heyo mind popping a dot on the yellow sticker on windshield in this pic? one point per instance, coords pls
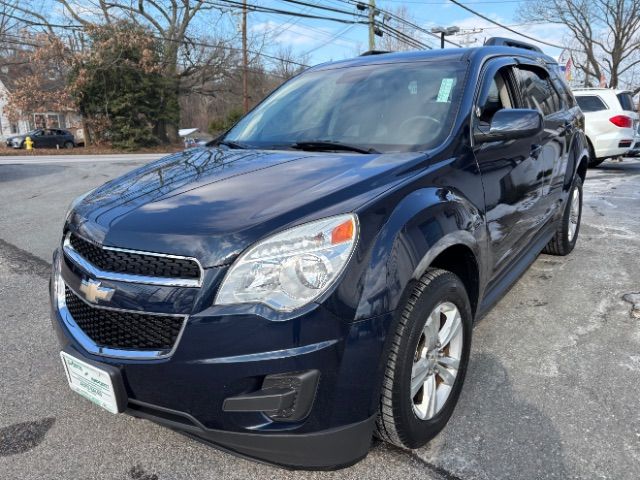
(445, 90)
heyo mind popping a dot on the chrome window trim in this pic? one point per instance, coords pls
(89, 345)
(88, 267)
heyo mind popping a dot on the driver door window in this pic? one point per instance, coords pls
(495, 97)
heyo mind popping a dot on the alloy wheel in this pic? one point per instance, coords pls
(574, 214)
(436, 360)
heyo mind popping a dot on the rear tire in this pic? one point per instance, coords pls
(429, 356)
(68, 144)
(564, 240)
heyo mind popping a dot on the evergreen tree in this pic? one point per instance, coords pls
(120, 88)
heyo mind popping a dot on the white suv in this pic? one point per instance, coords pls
(611, 122)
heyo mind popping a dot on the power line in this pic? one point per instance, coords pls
(257, 8)
(16, 40)
(484, 17)
(321, 7)
(334, 37)
(324, 33)
(158, 37)
(404, 21)
(418, 2)
(403, 37)
(294, 21)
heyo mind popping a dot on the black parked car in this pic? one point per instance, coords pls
(311, 278)
(44, 138)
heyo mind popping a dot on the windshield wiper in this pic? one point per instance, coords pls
(231, 144)
(322, 145)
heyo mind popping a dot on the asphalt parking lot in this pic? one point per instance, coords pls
(552, 392)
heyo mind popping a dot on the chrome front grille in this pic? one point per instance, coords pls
(115, 332)
(118, 329)
(123, 265)
(123, 261)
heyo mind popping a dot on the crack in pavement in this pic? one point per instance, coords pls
(23, 262)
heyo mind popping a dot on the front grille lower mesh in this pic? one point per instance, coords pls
(124, 330)
(135, 263)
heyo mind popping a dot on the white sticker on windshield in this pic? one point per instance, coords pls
(413, 87)
(445, 90)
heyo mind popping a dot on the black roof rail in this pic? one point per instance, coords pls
(375, 52)
(509, 42)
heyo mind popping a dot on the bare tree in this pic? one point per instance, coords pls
(606, 32)
(198, 53)
(287, 64)
(170, 23)
(398, 35)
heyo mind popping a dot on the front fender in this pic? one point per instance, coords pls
(578, 149)
(422, 225)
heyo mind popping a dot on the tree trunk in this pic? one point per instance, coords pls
(85, 128)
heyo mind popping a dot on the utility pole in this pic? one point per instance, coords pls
(245, 69)
(372, 24)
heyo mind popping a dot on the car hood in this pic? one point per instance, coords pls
(212, 203)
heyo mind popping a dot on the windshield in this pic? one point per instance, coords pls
(385, 108)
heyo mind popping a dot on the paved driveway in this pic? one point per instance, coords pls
(552, 392)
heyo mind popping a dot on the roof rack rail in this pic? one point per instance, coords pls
(375, 52)
(509, 42)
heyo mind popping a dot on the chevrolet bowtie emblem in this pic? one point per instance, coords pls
(94, 292)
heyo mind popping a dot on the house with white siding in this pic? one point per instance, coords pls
(28, 121)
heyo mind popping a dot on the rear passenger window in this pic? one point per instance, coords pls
(565, 92)
(537, 91)
(590, 103)
(626, 101)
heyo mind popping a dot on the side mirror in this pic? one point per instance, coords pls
(509, 124)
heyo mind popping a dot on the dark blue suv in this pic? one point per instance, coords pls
(311, 278)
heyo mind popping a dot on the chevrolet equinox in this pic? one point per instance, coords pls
(310, 278)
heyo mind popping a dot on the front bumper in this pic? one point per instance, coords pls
(221, 356)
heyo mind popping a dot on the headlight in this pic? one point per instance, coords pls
(293, 268)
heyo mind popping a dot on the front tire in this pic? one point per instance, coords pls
(68, 145)
(427, 362)
(566, 236)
